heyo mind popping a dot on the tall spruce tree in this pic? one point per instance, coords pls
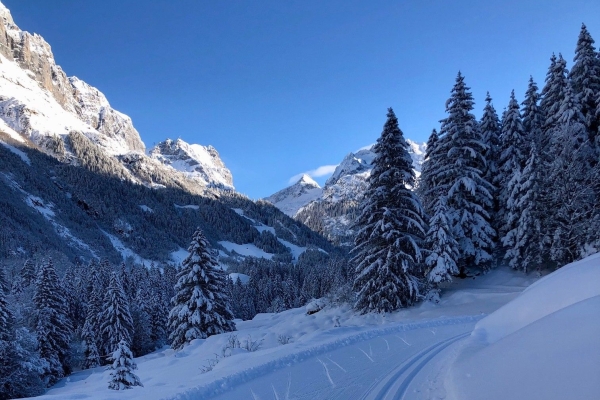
(490, 132)
(388, 245)
(200, 305)
(512, 160)
(523, 242)
(52, 324)
(533, 120)
(459, 176)
(553, 95)
(443, 249)
(571, 197)
(426, 184)
(585, 78)
(115, 319)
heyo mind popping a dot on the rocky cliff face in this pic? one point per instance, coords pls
(44, 93)
(199, 163)
(42, 104)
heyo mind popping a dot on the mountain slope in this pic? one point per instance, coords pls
(292, 198)
(76, 183)
(333, 212)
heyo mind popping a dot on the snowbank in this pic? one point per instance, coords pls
(544, 344)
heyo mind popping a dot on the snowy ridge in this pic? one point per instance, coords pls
(199, 163)
(38, 101)
(291, 199)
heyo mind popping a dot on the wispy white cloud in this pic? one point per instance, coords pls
(318, 172)
(365, 147)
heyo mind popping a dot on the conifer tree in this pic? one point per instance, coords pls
(200, 305)
(122, 366)
(533, 119)
(6, 316)
(115, 319)
(52, 325)
(490, 132)
(28, 273)
(459, 176)
(512, 160)
(443, 256)
(426, 185)
(524, 242)
(553, 95)
(585, 78)
(90, 351)
(571, 198)
(388, 245)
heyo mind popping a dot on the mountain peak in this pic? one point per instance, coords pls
(306, 180)
(197, 162)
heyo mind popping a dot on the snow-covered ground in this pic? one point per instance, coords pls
(542, 343)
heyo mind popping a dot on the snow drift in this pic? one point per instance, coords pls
(544, 344)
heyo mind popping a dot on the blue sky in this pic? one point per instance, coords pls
(283, 87)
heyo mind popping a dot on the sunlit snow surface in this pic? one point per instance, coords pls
(335, 353)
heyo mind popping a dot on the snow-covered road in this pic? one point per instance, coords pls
(397, 365)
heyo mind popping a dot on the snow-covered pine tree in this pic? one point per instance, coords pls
(512, 161)
(52, 325)
(388, 245)
(524, 242)
(426, 185)
(142, 328)
(553, 95)
(533, 119)
(90, 350)
(443, 256)
(28, 273)
(585, 78)
(200, 305)
(571, 198)
(6, 316)
(122, 366)
(490, 129)
(115, 319)
(459, 176)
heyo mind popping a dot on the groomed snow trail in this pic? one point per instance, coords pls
(393, 365)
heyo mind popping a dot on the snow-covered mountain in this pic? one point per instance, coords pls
(292, 198)
(332, 210)
(197, 162)
(76, 180)
(42, 104)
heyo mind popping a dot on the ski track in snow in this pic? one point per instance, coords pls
(392, 387)
(344, 382)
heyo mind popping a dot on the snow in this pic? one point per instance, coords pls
(10, 132)
(544, 344)
(246, 250)
(189, 206)
(293, 198)
(333, 353)
(45, 116)
(179, 255)
(243, 277)
(295, 250)
(195, 161)
(125, 251)
(145, 208)
(568, 285)
(18, 152)
(40, 206)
